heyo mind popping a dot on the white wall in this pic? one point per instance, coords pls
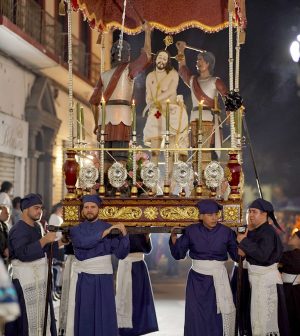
(15, 87)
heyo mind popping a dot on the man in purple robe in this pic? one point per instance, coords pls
(92, 308)
(135, 305)
(28, 251)
(209, 308)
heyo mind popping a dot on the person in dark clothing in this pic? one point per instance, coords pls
(244, 322)
(209, 308)
(263, 250)
(28, 251)
(290, 268)
(16, 213)
(4, 215)
(136, 314)
(92, 309)
(6, 191)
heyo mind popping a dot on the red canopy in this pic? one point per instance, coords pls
(170, 16)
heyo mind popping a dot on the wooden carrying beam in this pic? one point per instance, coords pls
(157, 214)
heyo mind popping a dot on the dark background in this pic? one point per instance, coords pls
(267, 85)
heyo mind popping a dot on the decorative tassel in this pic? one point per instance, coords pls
(61, 8)
(231, 6)
(242, 39)
(99, 39)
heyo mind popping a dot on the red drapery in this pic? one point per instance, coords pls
(170, 16)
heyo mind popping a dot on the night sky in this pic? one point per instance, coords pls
(267, 85)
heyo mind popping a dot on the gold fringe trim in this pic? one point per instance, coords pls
(170, 30)
(159, 26)
(90, 16)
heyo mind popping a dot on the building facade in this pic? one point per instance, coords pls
(34, 92)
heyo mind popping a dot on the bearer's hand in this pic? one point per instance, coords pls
(242, 236)
(180, 45)
(120, 227)
(241, 253)
(65, 239)
(6, 253)
(173, 235)
(48, 238)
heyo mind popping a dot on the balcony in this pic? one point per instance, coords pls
(40, 31)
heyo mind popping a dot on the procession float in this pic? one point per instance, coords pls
(148, 197)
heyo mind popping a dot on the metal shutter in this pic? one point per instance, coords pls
(7, 168)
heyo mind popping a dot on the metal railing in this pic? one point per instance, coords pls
(43, 28)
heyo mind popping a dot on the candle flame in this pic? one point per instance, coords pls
(133, 102)
(202, 102)
(102, 99)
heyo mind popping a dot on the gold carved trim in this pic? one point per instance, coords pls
(231, 213)
(127, 213)
(151, 213)
(176, 213)
(227, 174)
(71, 213)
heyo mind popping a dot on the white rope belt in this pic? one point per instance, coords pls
(124, 289)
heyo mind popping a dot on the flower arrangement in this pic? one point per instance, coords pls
(141, 159)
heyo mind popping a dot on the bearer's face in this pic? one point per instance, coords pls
(256, 217)
(90, 211)
(210, 220)
(161, 60)
(35, 212)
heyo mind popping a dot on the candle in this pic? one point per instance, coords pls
(216, 103)
(103, 113)
(133, 112)
(200, 108)
(168, 115)
(78, 121)
(82, 123)
(239, 120)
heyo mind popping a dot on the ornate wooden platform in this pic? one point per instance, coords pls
(158, 212)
